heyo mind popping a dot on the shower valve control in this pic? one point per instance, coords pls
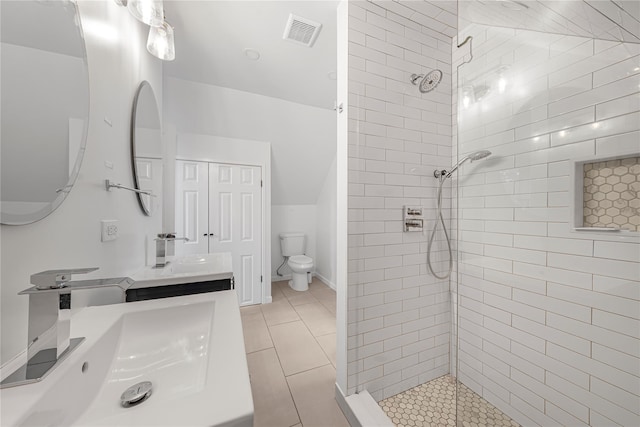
(413, 218)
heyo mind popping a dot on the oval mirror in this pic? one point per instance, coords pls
(44, 83)
(146, 147)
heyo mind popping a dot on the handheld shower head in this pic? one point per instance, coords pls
(479, 155)
(472, 157)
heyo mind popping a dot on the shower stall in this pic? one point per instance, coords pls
(538, 322)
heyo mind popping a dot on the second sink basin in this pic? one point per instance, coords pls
(187, 269)
(196, 263)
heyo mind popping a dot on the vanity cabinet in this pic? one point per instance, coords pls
(183, 276)
(167, 291)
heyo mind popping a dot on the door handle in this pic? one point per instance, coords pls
(209, 234)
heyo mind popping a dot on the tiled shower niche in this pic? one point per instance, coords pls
(611, 195)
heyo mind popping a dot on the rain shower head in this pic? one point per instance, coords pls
(429, 81)
(472, 157)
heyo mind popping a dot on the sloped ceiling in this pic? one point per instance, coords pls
(616, 20)
(211, 37)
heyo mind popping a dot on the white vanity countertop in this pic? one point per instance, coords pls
(187, 269)
(190, 347)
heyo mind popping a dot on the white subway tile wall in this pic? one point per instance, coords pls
(549, 318)
(398, 314)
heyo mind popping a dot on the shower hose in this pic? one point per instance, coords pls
(439, 219)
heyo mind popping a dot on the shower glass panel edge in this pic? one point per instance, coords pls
(546, 94)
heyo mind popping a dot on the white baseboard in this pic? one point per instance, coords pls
(361, 410)
(325, 281)
(281, 278)
(314, 274)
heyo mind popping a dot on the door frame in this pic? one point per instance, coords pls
(215, 149)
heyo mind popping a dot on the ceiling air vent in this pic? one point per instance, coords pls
(301, 30)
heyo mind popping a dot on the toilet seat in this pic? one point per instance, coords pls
(300, 263)
(301, 259)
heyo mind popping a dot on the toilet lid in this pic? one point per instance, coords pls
(300, 259)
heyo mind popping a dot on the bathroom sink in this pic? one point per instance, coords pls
(187, 269)
(190, 348)
(196, 263)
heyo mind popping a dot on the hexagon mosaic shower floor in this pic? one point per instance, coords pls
(434, 404)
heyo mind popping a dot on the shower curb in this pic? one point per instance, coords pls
(361, 410)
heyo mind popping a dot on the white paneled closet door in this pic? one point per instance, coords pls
(192, 207)
(235, 221)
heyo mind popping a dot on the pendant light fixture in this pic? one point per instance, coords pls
(160, 42)
(151, 12)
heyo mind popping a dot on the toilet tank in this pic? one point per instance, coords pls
(292, 243)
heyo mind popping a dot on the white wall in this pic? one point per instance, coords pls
(302, 137)
(398, 314)
(549, 318)
(326, 234)
(70, 237)
(302, 142)
(318, 222)
(287, 219)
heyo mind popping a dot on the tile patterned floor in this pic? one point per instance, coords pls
(291, 353)
(434, 404)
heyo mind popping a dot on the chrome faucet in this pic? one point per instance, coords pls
(49, 327)
(161, 247)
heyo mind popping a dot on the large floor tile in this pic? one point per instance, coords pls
(328, 344)
(318, 285)
(329, 304)
(256, 333)
(288, 292)
(272, 400)
(317, 318)
(276, 293)
(300, 298)
(314, 394)
(297, 349)
(250, 309)
(279, 312)
(324, 292)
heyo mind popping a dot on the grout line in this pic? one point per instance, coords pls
(284, 376)
(262, 349)
(308, 370)
(283, 323)
(300, 319)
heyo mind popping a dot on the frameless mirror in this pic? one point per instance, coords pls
(45, 106)
(146, 147)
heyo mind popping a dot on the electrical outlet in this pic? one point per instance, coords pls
(109, 229)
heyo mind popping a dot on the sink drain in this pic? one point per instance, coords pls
(136, 394)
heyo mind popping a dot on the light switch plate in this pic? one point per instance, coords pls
(109, 229)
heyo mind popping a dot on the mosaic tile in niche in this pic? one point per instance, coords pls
(612, 194)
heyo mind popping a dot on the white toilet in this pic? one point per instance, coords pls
(292, 245)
